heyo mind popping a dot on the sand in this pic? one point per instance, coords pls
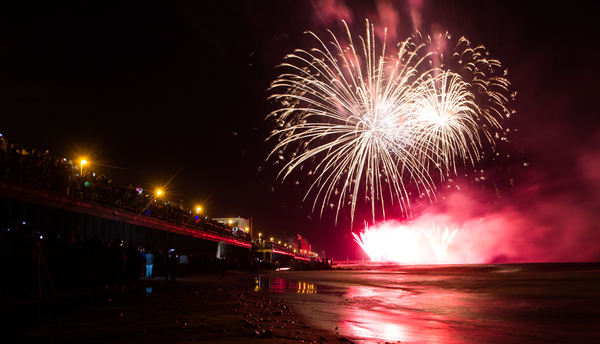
(202, 308)
(504, 303)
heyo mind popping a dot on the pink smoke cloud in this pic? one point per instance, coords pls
(540, 221)
(388, 18)
(329, 11)
(415, 8)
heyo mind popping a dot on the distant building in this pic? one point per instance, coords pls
(288, 241)
(304, 245)
(295, 242)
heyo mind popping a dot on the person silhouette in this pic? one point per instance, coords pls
(172, 265)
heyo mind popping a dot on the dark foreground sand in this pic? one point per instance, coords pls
(203, 308)
(438, 304)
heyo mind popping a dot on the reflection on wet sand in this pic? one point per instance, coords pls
(516, 303)
(396, 314)
(148, 291)
(278, 285)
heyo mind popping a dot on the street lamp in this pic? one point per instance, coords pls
(259, 235)
(198, 210)
(83, 162)
(158, 193)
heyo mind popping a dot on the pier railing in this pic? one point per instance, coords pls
(58, 177)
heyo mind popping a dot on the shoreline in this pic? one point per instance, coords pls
(203, 308)
(545, 303)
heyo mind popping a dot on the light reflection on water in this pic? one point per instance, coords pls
(396, 314)
(382, 313)
(278, 285)
(448, 304)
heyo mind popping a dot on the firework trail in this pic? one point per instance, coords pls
(439, 241)
(367, 124)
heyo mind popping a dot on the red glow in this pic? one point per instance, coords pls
(530, 225)
(390, 242)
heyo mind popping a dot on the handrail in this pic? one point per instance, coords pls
(60, 178)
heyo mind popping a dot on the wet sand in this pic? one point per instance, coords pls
(201, 308)
(504, 303)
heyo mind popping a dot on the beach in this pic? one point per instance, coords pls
(445, 304)
(499, 303)
(205, 308)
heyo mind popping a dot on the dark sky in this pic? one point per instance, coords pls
(153, 88)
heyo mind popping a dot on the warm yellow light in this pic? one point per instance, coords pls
(279, 242)
(158, 192)
(198, 210)
(247, 229)
(271, 239)
(259, 234)
(83, 162)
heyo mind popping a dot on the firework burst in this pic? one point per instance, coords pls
(389, 243)
(439, 240)
(368, 124)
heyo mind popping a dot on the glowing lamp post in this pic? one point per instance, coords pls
(198, 209)
(83, 162)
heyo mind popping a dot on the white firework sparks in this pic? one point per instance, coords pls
(369, 123)
(440, 240)
(389, 243)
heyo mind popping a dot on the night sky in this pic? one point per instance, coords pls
(154, 91)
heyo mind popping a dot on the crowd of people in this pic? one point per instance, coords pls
(28, 260)
(19, 162)
(313, 264)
